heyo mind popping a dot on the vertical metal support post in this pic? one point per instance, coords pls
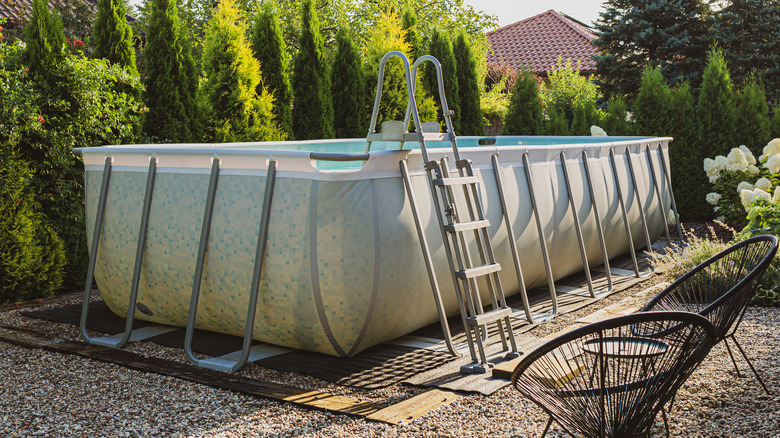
(101, 208)
(623, 211)
(638, 198)
(657, 192)
(139, 256)
(668, 180)
(577, 227)
(540, 229)
(445, 327)
(599, 228)
(198, 278)
(512, 243)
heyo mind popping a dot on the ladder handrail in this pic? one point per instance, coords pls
(108, 341)
(221, 363)
(445, 110)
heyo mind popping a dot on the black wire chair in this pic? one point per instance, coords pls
(611, 378)
(721, 288)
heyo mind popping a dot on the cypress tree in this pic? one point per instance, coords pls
(615, 120)
(686, 156)
(44, 38)
(169, 87)
(471, 121)
(630, 33)
(113, 36)
(412, 38)
(749, 33)
(752, 116)
(312, 114)
(348, 89)
(525, 114)
(269, 48)
(650, 115)
(235, 111)
(715, 112)
(585, 115)
(441, 49)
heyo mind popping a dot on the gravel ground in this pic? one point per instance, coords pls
(50, 394)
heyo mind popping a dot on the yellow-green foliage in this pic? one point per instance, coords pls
(232, 108)
(387, 35)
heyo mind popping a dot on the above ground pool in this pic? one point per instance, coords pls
(343, 267)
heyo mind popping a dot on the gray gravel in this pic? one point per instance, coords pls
(55, 395)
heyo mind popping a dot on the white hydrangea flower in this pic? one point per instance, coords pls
(773, 163)
(597, 132)
(720, 162)
(709, 167)
(776, 197)
(772, 148)
(750, 196)
(713, 198)
(744, 185)
(752, 170)
(736, 161)
(714, 178)
(764, 184)
(748, 154)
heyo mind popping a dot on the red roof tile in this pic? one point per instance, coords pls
(537, 42)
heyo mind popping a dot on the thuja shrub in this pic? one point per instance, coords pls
(32, 256)
(348, 95)
(525, 115)
(615, 121)
(440, 48)
(471, 122)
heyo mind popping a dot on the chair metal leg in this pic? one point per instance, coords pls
(666, 422)
(736, 368)
(750, 364)
(547, 426)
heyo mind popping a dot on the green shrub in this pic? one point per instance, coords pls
(566, 89)
(716, 113)
(556, 124)
(677, 260)
(525, 114)
(585, 115)
(411, 36)
(233, 109)
(349, 99)
(615, 121)
(685, 156)
(113, 36)
(44, 116)
(471, 122)
(269, 48)
(650, 107)
(312, 113)
(32, 256)
(752, 128)
(440, 48)
(44, 38)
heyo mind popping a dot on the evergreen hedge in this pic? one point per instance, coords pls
(312, 113)
(411, 36)
(170, 88)
(471, 121)
(615, 120)
(441, 49)
(686, 157)
(269, 48)
(349, 99)
(113, 36)
(32, 256)
(44, 38)
(650, 107)
(525, 115)
(232, 109)
(715, 112)
(752, 128)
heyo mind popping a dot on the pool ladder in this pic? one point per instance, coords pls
(461, 220)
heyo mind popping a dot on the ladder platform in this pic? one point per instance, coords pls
(467, 226)
(488, 317)
(456, 181)
(478, 271)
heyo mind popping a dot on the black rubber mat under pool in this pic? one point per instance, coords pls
(376, 367)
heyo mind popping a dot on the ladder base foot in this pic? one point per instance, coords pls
(513, 355)
(477, 368)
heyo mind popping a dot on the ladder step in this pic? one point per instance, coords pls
(467, 226)
(456, 181)
(478, 271)
(488, 317)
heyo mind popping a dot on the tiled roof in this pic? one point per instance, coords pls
(537, 42)
(17, 10)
